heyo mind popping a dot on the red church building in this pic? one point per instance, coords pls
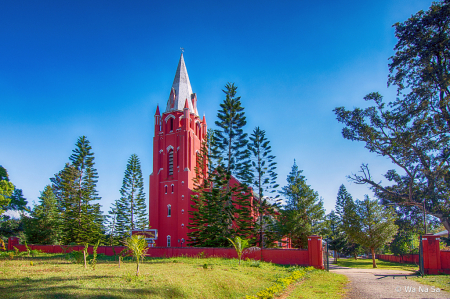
(179, 132)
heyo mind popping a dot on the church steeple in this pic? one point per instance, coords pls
(181, 90)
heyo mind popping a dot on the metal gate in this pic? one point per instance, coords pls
(421, 267)
(326, 261)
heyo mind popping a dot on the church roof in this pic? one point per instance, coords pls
(181, 90)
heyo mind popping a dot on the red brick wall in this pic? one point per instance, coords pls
(406, 259)
(277, 256)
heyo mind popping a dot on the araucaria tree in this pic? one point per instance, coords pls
(303, 213)
(413, 131)
(131, 207)
(230, 137)
(233, 158)
(208, 221)
(75, 190)
(340, 241)
(370, 224)
(44, 224)
(264, 178)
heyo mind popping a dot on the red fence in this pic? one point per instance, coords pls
(301, 257)
(405, 259)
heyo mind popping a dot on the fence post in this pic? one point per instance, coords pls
(431, 254)
(315, 251)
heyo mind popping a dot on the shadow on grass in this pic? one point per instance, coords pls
(54, 287)
(367, 264)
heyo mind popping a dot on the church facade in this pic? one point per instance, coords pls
(178, 135)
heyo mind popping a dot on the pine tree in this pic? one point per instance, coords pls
(131, 207)
(340, 241)
(370, 224)
(303, 213)
(75, 189)
(208, 224)
(43, 226)
(230, 138)
(112, 236)
(234, 158)
(263, 179)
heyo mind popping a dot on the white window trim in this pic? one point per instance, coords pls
(168, 117)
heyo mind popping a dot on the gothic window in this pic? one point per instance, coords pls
(197, 159)
(168, 241)
(197, 129)
(165, 189)
(171, 124)
(173, 188)
(170, 162)
(169, 211)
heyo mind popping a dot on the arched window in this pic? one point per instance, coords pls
(170, 162)
(165, 189)
(168, 241)
(171, 124)
(197, 159)
(173, 188)
(197, 129)
(169, 211)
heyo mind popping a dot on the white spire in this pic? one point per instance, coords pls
(181, 90)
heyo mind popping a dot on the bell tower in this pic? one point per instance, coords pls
(178, 135)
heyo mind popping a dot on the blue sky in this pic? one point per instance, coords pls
(99, 68)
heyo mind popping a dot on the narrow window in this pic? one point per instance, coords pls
(173, 188)
(165, 189)
(170, 162)
(168, 241)
(169, 211)
(171, 124)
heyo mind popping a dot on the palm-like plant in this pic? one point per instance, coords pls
(138, 247)
(239, 245)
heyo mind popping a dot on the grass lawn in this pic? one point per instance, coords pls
(321, 284)
(438, 281)
(53, 276)
(367, 264)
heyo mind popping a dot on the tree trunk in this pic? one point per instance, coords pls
(373, 257)
(335, 256)
(356, 256)
(137, 270)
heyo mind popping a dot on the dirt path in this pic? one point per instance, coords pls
(380, 283)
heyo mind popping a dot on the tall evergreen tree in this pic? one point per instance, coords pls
(303, 213)
(264, 179)
(112, 236)
(131, 207)
(370, 224)
(75, 189)
(234, 158)
(208, 221)
(339, 239)
(44, 224)
(230, 137)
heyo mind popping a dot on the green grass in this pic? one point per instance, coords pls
(53, 276)
(367, 264)
(438, 281)
(321, 284)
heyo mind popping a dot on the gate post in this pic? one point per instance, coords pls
(12, 241)
(431, 254)
(315, 251)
